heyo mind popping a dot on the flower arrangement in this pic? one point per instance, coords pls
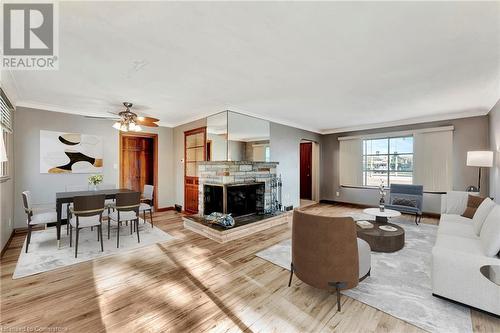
(95, 180)
(381, 190)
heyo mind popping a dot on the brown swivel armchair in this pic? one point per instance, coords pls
(326, 253)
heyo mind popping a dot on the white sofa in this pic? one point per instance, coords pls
(457, 257)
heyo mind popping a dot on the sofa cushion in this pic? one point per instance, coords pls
(473, 203)
(490, 233)
(456, 225)
(460, 244)
(481, 213)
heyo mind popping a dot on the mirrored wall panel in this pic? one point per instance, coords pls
(217, 137)
(233, 136)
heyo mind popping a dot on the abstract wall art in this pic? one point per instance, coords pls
(62, 152)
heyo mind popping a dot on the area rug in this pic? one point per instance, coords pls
(44, 255)
(400, 282)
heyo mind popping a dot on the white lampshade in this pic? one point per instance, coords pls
(3, 152)
(117, 125)
(483, 158)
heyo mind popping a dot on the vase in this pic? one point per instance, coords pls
(95, 187)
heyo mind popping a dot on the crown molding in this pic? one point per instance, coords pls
(61, 109)
(402, 122)
(409, 121)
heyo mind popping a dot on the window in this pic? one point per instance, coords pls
(388, 160)
(5, 133)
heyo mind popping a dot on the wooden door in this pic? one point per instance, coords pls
(194, 152)
(137, 162)
(306, 170)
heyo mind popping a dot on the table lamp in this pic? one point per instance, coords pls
(480, 159)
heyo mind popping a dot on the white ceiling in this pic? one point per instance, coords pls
(324, 66)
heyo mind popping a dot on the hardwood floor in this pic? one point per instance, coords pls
(190, 284)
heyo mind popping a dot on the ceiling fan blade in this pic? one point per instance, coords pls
(147, 119)
(103, 118)
(147, 124)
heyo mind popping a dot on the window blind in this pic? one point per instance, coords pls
(5, 112)
(433, 160)
(351, 162)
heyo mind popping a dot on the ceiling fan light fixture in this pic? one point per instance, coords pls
(117, 125)
(131, 127)
(137, 128)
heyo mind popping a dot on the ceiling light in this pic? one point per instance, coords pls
(117, 125)
(137, 128)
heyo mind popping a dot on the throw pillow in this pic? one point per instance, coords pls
(404, 202)
(481, 214)
(472, 205)
(455, 202)
(490, 233)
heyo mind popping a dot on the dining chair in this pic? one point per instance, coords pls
(69, 207)
(35, 218)
(147, 203)
(126, 209)
(109, 202)
(87, 212)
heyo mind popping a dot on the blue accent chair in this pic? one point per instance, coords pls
(407, 199)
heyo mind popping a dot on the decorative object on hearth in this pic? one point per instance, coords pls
(381, 190)
(95, 180)
(224, 220)
(275, 186)
(480, 159)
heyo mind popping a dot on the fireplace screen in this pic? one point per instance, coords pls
(235, 199)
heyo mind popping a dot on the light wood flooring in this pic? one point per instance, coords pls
(190, 284)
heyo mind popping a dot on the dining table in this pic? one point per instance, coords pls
(68, 197)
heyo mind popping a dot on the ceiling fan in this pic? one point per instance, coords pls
(130, 121)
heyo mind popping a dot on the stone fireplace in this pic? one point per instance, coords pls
(237, 187)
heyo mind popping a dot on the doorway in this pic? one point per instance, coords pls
(139, 161)
(306, 170)
(309, 172)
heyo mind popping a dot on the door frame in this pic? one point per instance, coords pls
(202, 129)
(153, 136)
(315, 168)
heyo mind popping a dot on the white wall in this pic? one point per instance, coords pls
(285, 149)
(27, 128)
(494, 118)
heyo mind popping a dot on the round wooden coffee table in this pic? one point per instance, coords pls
(381, 240)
